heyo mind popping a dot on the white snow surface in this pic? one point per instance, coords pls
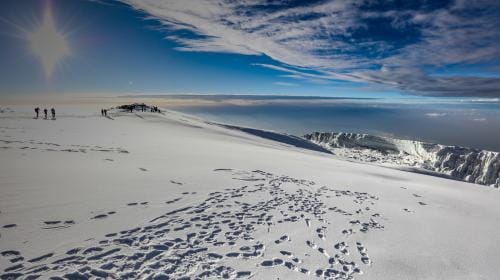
(470, 165)
(169, 196)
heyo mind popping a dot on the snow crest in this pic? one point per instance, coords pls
(467, 164)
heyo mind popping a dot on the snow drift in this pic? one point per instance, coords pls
(467, 164)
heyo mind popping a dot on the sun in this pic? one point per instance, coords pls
(47, 43)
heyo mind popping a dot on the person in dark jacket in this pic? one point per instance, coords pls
(37, 111)
(45, 113)
(53, 112)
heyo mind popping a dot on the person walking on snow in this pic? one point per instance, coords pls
(53, 112)
(37, 111)
(45, 113)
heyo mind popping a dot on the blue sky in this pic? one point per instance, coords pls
(355, 48)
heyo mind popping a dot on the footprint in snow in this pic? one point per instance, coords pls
(282, 239)
(100, 216)
(52, 222)
(10, 253)
(175, 182)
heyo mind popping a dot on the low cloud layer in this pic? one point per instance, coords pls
(439, 48)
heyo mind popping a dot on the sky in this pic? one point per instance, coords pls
(358, 48)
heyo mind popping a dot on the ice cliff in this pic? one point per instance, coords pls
(467, 164)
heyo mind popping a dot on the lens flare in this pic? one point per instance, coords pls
(47, 43)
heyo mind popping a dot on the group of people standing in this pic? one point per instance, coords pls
(45, 112)
(131, 107)
(104, 112)
(155, 109)
(140, 107)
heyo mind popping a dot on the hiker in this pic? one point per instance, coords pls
(53, 112)
(105, 112)
(37, 111)
(45, 113)
(102, 112)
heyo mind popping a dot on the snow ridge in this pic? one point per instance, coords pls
(466, 164)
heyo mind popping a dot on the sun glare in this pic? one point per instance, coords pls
(47, 43)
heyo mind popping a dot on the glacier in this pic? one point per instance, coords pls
(466, 164)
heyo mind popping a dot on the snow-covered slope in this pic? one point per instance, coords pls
(470, 165)
(168, 196)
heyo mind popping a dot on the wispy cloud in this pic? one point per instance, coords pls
(285, 84)
(361, 41)
(435, 115)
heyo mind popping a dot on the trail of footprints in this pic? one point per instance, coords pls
(98, 215)
(53, 147)
(421, 203)
(205, 240)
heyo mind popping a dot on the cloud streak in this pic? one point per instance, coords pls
(402, 46)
